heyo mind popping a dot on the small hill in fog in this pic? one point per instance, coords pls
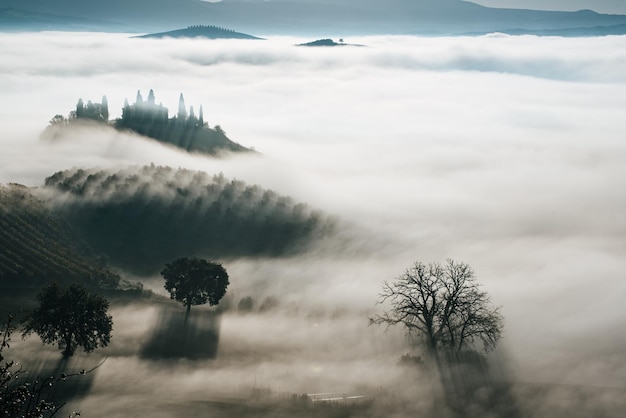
(326, 43)
(186, 130)
(201, 31)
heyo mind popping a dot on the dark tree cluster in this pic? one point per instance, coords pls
(93, 111)
(195, 281)
(90, 111)
(145, 217)
(187, 129)
(146, 113)
(71, 317)
(211, 27)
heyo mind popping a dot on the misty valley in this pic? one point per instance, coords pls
(423, 227)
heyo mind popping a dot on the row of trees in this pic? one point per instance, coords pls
(148, 111)
(142, 111)
(73, 317)
(186, 129)
(95, 111)
(219, 28)
(440, 305)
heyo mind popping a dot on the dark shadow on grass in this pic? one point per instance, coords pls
(177, 336)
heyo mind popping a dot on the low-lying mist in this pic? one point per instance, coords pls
(503, 152)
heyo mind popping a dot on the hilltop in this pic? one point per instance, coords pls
(201, 31)
(327, 43)
(186, 130)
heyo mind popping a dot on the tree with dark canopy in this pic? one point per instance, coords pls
(21, 395)
(443, 306)
(195, 281)
(71, 317)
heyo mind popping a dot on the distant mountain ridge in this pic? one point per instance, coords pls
(566, 32)
(14, 19)
(313, 17)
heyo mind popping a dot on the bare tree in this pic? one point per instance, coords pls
(444, 307)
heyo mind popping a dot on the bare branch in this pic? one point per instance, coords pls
(443, 304)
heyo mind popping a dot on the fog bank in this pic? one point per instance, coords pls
(503, 152)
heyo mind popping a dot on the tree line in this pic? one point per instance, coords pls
(187, 129)
(74, 317)
(146, 216)
(212, 27)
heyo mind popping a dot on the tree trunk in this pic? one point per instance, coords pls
(188, 311)
(69, 351)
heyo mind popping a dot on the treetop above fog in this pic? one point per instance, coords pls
(187, 129)
(195, 281)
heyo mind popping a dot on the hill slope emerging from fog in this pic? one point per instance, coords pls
(185, 131)
(145, 217)
(303, 17)
(200, 31)
(37, 245)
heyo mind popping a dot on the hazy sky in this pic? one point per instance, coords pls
(503, 152)
(600, 6)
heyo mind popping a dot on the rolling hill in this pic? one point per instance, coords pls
(200, 31)
(144, 217)
(186, 130)
(37, 245)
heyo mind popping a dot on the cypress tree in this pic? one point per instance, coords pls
(80, 109)
(105, 108)
(126, 111)
(182, 110)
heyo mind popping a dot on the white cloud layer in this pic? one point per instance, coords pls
(504, 152)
